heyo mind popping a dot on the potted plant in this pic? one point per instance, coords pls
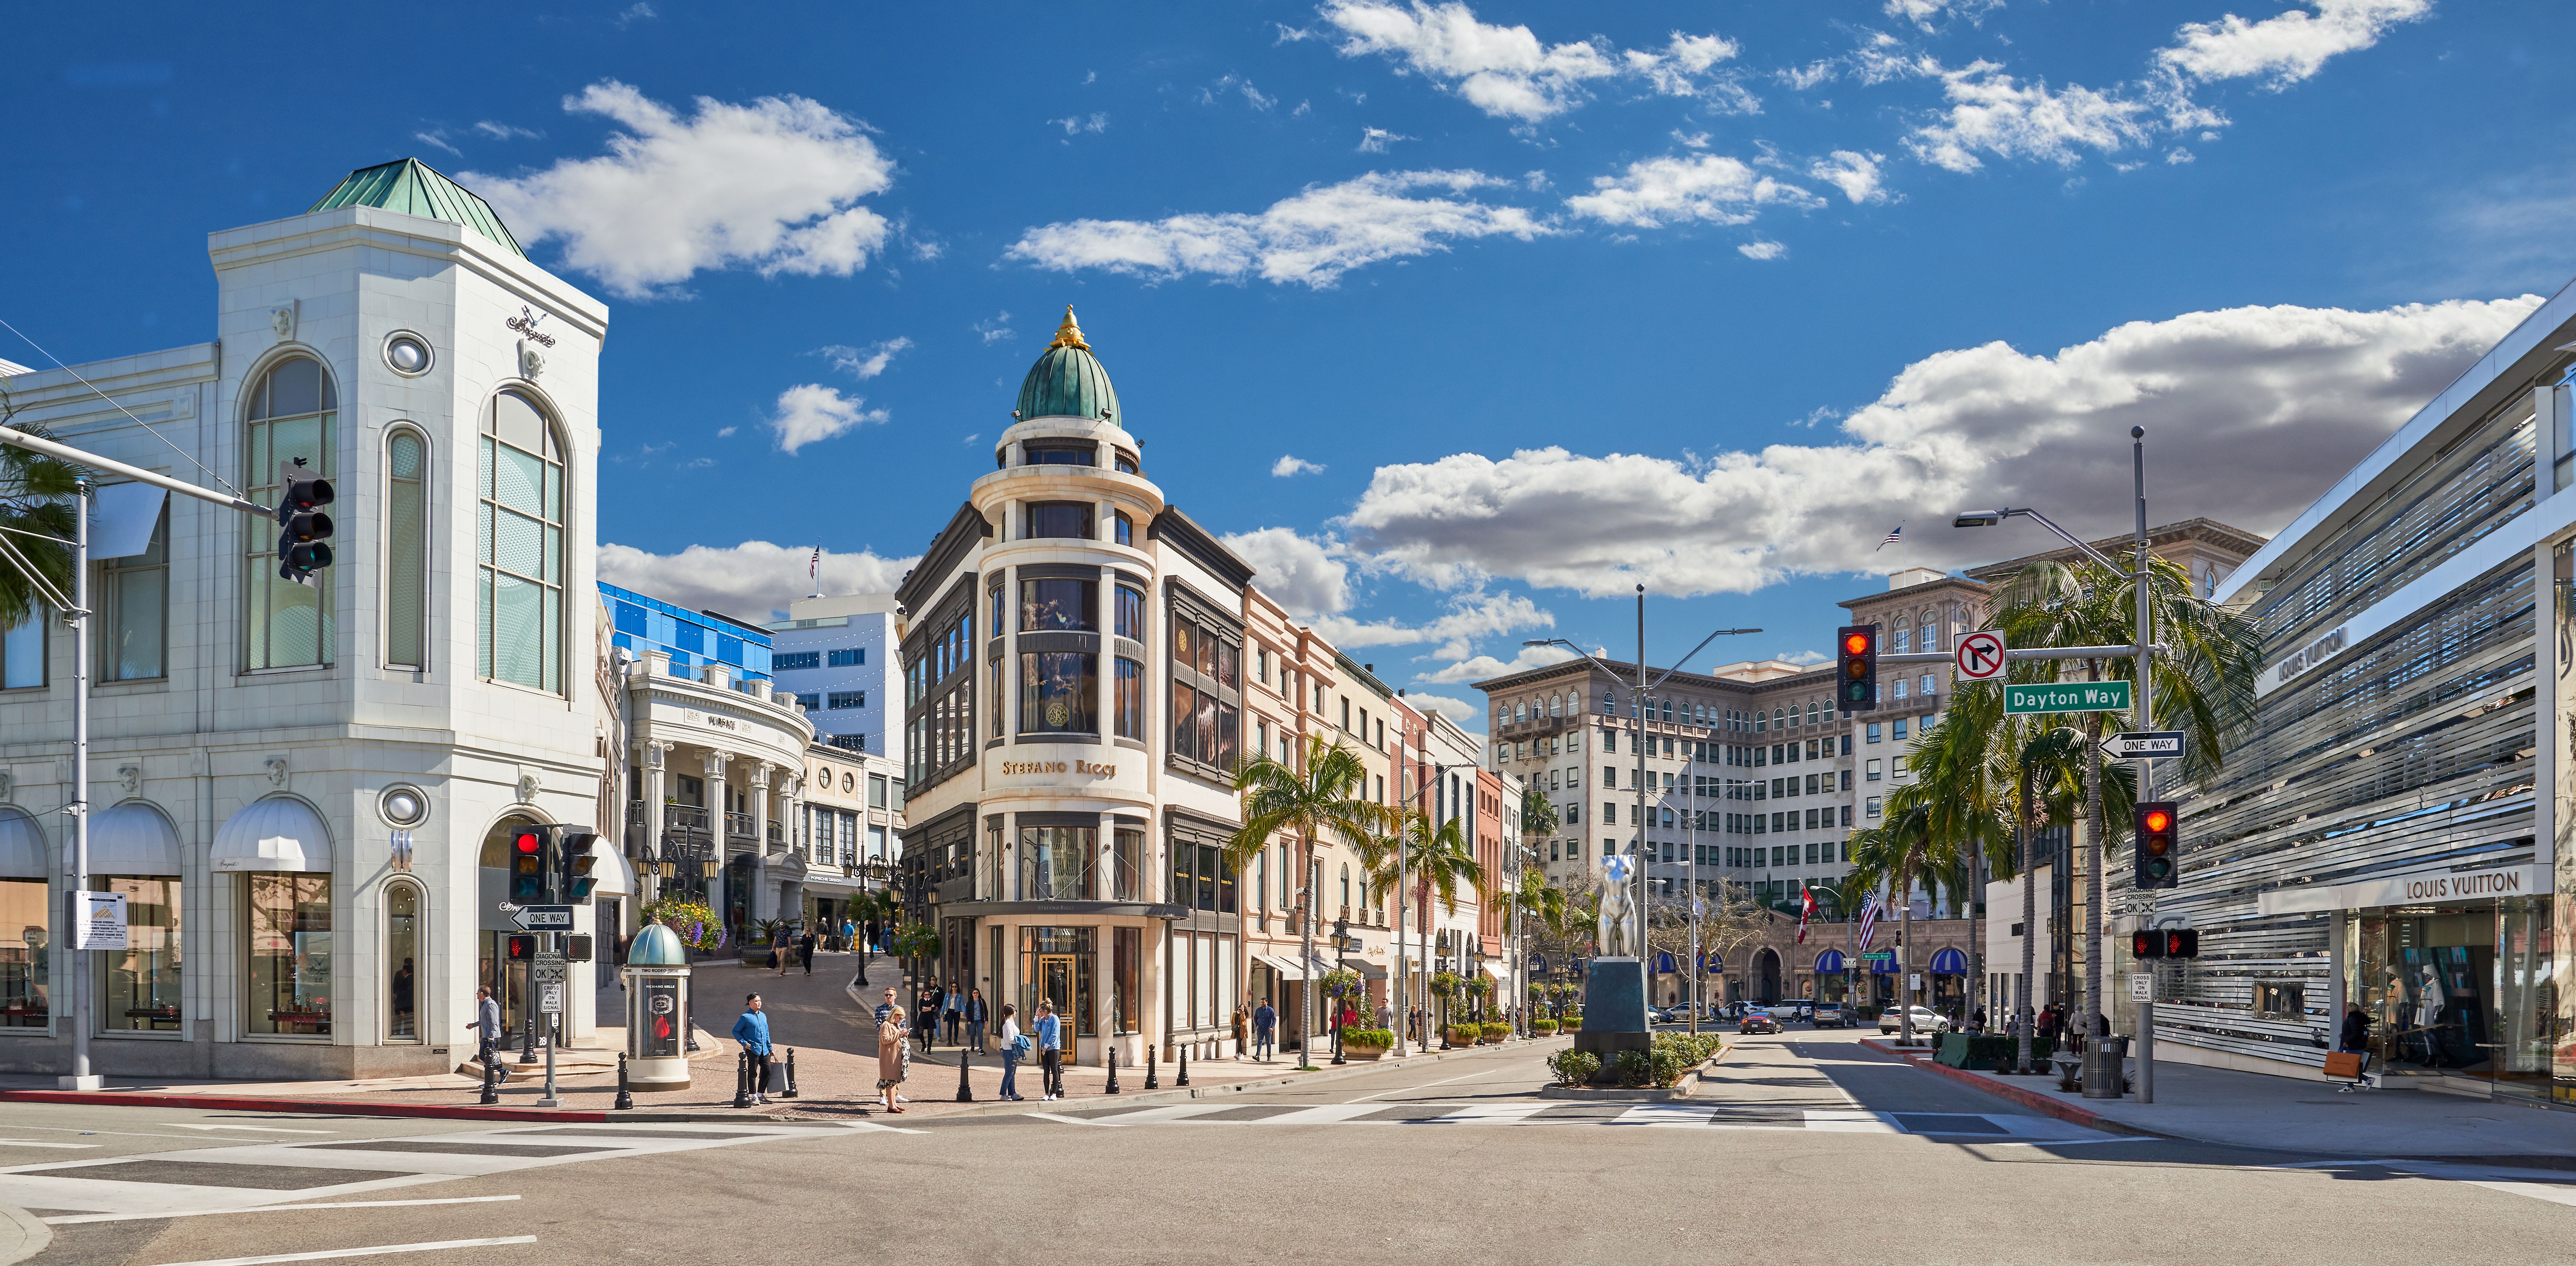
(1495, 1032)
(1359, 1043)
(695, 924)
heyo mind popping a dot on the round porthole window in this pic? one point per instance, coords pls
(404, 806)
(407, 353)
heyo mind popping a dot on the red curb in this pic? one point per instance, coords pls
(2050, 1105)
(345, 1107)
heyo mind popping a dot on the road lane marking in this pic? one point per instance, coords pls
(264, 1129)
(1492, 1114)
(269, 1208)
(34, 1143)
(1424, 1086)
(1066, 1120)
(318, 1255)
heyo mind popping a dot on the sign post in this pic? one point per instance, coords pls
(547, 973)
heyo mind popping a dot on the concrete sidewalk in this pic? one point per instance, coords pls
(2217, 1105)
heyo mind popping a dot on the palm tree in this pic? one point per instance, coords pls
(1967, 796)
(1532, 896)
(1431, 859)
(1903, 850)
(36, 526)
(1538, 817)
(1329, 796)
(2204, 685)
(2049, 776)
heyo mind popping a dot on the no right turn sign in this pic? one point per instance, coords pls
(1981, 655)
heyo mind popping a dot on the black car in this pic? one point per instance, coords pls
(1758, 1020)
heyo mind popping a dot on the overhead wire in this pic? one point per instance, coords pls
(129, 413)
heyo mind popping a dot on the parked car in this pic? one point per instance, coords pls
(1926, 1020)
(1758, 1020)
(1828, 1015)
(1794, 1009)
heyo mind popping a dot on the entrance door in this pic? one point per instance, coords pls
(1055, 984)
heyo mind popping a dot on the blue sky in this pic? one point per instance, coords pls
(1544, 300)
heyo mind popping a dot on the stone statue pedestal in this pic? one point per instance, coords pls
(1614, 1009)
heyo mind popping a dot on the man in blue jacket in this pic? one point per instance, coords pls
(1050, 1036)
(752, 1031)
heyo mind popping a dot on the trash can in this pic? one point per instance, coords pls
(2105, 1066)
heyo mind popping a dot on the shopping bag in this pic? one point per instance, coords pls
(776, 1082)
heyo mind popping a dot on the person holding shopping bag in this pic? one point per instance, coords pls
(893, 1053)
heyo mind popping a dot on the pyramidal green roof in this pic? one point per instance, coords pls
(1068, 381)
(413, 187)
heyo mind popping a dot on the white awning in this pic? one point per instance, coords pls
(22, 846)
(1286, 967)
(1494, 967)
(279, 833)
(616, 878)
(131, 839)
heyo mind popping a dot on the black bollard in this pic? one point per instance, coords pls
(965, 1093)
(1113, 1070)
(1153, 1074)
(625, 1097)
(742, 1080)
(1184, 1078)
(491, 1095)
(790, 1091)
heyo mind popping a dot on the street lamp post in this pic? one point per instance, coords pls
(1637, 707)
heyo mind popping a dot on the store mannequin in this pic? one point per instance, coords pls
(2428, 1003)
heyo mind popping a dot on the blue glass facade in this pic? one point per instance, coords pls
(693, 638)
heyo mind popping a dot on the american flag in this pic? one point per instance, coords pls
(814, 569)
(1806, 910)
(1894, 535)
(1868, 922)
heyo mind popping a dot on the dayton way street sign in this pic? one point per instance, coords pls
(544, 918)
(1981, 655)
(2067, 696)
(2137, 743)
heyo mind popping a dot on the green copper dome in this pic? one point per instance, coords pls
(1069, 382)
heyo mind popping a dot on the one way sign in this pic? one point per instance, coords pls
(2143, 743)
(544, 918)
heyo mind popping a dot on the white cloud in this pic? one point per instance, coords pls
(1760, 249)
(1927, 14)
(506, 131)
(1709, 187)
(1471, 615)
(865, 362)
(1301, 574)
(770, 185)
(1311, 238)
(1467, 716)
(995, 330)
(1691, 140)
(634, 13)
(2288, 47)
(1483, 667)
(2178, 156)
(1853, 172)
(812, 412)
(1289, 465)
(726, 432)
(1506, 71)
(437, 137)
(1990, 112)
(1258, 99)
(1075, 125)
(1374, 140)
(2250, 412)
(1808, 656)
(751, 581)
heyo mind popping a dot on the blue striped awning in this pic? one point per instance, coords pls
(1711, 965)
(1664, 964)
(1829, 963)
(1949, 962)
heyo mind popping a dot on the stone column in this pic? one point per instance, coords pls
(717, 888)
(759, 802)
(649, 754)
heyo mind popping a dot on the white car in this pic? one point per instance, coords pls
(1926, 1020)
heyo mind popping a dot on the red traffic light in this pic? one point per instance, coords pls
(526, 842)
(2157, 820)
(1856, 644)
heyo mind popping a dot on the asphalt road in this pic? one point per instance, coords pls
(1806, 1148)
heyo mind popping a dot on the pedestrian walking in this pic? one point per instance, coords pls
(952, 1012)
(888, 1006)
(805, 948)
(782, 950)
(487, 1025)
(1050, 1051)
(1265, 1025)
(976, 1016)
(1014, 1049)
(849, 934)
(2356, 1030)
(927, 1025)
(893, 1057)
(752, 1031)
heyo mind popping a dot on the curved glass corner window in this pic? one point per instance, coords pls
(1130, 619)
(291, 414)
(139, 985)
(26, 970)
(1055, 862)
(1060, 454)
(1059, 692)
(1125, 528)
(406, 549)
(290, 955)
(1123, 460)
(1070, 519)
(1131, 699)
(519, 540)
(1059, 605)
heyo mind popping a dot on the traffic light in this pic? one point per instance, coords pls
(578, 947)
(303, 530)
(574, 859)
(1856, 654)
(2146, 945)
(2155, 835)
(522, 947)
(2182, 943)
(527, 865)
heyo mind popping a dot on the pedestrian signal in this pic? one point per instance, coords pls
(522, 947)
(2146, 945)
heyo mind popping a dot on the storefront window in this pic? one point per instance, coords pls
(1056, 967)
(290, 954)
(2459, 991)
(139, 988)
(1126, 864)
(402, 951)
(1126, 951)
(1055, 862)
(25, 908)
(1059, 693)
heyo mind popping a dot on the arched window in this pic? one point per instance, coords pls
(518, 592)
(1520, 712)
(1556, 705)
(1346, 885)
(406, 549)
(1606, 704)
(291, 414)
(1904, 636)
(403, 961)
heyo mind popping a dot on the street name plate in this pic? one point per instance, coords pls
(2142, 986)
(544, 918)
(2137, 743)
(2067, 696)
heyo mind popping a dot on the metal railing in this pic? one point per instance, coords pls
(683, 817)
(738, 826)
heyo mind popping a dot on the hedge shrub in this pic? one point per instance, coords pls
(1573, 1068)
(1496, 1028)
(1542, 1025)
(1368, 1037)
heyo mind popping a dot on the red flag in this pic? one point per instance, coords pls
(1806, 910)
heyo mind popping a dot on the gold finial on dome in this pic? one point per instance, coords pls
(1069, 334)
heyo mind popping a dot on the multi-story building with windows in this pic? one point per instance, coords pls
(849, 827)
(837, 656)
(304, 790)
(1073, 717)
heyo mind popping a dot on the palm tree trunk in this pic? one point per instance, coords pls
(1904, 955)
(2093, 854)
(2029, 919)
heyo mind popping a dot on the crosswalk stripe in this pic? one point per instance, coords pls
(1666, 1114)
(1493, 1114)
(319, 1254)
(80, 1218)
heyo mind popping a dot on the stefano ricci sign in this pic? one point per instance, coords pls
(2298, 662)
(1079, 768)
